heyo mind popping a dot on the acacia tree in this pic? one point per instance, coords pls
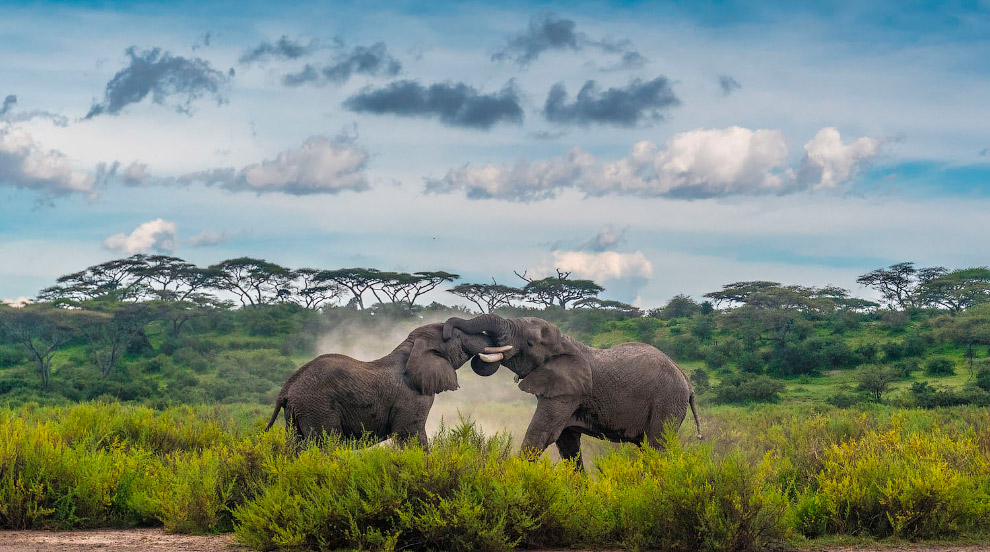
(254, 281)
(311, 291)
(487, 297)
(900, 284)
(558, 290)
(425, 282)
(41, 329)
(957, 290)
(120, 277)
(356, 280)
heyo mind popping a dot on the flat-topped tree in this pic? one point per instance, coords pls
(957, 290)
(487, 297)
(356, 280)
(254, 281)
(122, 278)
(425, 282)
(559, 290)
(311, 291)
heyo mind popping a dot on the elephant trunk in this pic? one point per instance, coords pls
(492, 323)
(483, 368)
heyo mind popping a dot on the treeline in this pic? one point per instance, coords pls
(248, 281)
(157, 326)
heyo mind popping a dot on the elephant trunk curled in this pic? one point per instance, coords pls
(499, 327)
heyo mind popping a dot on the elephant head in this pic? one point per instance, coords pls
(547, 362)
(433, 361)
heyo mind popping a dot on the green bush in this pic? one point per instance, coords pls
(940, 366)
(739, 388)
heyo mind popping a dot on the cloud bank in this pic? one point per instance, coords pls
(453, 104)
(636, 103)
(701, 163)
(321, 165)
(164, 77)
(26, 164)
(155, 235)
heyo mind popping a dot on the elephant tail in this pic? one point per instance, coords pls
(279, 405)
(694, 411)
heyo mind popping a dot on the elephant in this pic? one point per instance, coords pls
(623, 394)
(385, 397)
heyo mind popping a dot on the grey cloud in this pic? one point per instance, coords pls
(283, 48)
(163, 76)
(208, 238)
(8, 115)
(985, 152)
(203, 41)
(548, 32)
(373, 60)
(728, 84)
(638, 102)
(545, 32)
(629, 60)
(454, 104)
(607, 238)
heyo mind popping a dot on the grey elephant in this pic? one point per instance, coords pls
(624, 394)
(385, 397)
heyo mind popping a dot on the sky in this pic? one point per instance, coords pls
(659, 148)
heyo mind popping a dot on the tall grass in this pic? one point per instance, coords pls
(764, 475)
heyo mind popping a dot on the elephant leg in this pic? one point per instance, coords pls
(549, 421)
(569, 447)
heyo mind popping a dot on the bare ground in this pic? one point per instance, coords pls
(156, 540)
(128, 540)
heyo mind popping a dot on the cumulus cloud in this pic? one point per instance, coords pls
(728, 84)
(638, 102)
(18, 303)
(155, 235)
(621, 274)
(8, 115)
(828, 162)
(26, 164)
(208, 238)
(164, 77)
(373, 60)
(283, 48)
(548, 32)
(453, 104)
(700, 163)
(321, 165)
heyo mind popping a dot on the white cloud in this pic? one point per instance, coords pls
(18, 303)
(695, 164)
(321, 165)
(26, 164)
(157, 235)
(606, 265)
(830, 163)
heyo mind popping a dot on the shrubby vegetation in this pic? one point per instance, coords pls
(767, 476)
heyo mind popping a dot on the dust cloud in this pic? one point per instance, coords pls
(494, 404)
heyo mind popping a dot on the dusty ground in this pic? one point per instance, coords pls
(130, 540)
(156, 540)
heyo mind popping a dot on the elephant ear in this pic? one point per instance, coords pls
(564, 376)
(427, 372)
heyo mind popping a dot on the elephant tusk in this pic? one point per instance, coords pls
(490, 358)
(502, 349)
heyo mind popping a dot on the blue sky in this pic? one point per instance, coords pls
(659, 148)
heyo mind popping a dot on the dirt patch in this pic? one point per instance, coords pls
(129, 540)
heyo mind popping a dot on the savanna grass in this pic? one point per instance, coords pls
(764, 475)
